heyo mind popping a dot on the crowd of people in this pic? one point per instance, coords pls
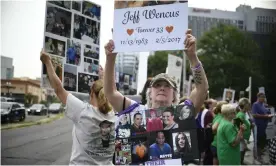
(223, 128)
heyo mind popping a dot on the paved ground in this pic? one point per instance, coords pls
(37, 145)
(31, 118)
(249, 156)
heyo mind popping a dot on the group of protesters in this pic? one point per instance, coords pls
(224, 130)
(225, 137)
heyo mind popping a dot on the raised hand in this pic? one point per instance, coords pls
(44, 57)
(109, 48)
(190, 46)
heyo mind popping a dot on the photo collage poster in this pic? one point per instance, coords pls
(156, 135)
(72, 39)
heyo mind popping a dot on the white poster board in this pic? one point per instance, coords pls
(71, 38)
(164, 162)
(141, 26)
(175, 68)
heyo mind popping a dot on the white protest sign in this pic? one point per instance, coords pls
(175, 68)
(150, 28)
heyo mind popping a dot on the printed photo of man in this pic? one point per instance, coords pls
(105, 127)
(160, 149)
(137, 127)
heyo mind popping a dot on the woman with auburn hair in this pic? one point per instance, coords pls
(93, 131)
(215, 125)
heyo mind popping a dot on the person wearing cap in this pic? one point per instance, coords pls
(93, 133)
(163, 91)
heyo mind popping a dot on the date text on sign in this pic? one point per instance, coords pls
(150, 28)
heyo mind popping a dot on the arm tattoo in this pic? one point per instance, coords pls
(197, 76)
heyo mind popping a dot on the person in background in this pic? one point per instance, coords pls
(215, 125)
(261, 117)
(93, 143)
(243, 107)
(206, 122)
(228, 137)
(144, 91)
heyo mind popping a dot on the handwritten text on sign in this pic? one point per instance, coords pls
(150, 28)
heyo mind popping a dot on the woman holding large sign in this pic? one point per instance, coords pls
(163, 91)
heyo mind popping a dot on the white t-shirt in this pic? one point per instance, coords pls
(88, 146)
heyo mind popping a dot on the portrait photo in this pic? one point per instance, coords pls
(73, 54)
(228, 95)
(123, 126)
(85, 82)
(154, 120)
(168, 119)
(54, 46)
(58, 21)
(86, 29)
(122, 153)
(138, 123)
(184, 112)
(160, 146)
(181, 144)
(70, 77)
(105, 129)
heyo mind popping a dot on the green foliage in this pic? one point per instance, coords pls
(157, 63)
(28, 99)
(229, 57)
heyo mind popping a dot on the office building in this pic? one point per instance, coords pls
(245, 18)
(258, 19)
(127, 72)
(202, 20)
(7, 68)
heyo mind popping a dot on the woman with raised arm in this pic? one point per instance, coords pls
(94, 128)
(163, 89)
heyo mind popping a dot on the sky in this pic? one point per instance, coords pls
(22, 26)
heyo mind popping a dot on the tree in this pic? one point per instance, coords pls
(28, 99)
(157, 63)
(229, 57)
(267, 43)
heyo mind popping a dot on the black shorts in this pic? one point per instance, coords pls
(214, 151)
